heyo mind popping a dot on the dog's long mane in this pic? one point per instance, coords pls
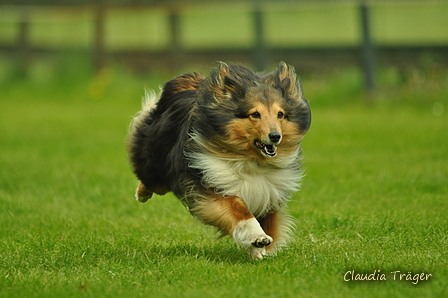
(264, 187)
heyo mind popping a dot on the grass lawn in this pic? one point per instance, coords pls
(374, 198)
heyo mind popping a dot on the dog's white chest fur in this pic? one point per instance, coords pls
(263, 188)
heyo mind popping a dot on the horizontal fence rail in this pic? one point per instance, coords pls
(146, 35)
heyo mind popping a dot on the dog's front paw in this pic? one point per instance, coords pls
(257, 253)
(262, 241)
(258, 248)
(249, 234)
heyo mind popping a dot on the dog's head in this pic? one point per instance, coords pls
(261, 115)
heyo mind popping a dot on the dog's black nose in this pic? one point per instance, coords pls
(275, 137)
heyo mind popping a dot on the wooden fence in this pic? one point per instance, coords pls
(261, 54)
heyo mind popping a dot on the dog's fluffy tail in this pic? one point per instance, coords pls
(149, 101)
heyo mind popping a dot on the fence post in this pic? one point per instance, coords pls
(23, 43)
(175, 43)
(99, 48)
(368, 51)
(260, 51)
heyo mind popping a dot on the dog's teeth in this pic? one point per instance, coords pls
(270, 148)
(267, 150)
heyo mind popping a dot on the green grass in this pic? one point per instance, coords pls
(374, 198)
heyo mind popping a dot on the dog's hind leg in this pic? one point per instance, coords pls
(142, 194)
(231, 216)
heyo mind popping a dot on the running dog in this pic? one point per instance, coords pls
(228, 146)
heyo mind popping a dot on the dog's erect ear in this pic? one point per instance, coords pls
(285, 79)
(220, 75)
(224, 82)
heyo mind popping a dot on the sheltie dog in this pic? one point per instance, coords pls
(228, 146)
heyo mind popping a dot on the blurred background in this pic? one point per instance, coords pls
(381, 43)
(72, 75)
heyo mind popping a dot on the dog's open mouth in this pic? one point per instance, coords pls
(266, 150)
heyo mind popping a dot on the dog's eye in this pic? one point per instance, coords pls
(255, 115)
(280, 115)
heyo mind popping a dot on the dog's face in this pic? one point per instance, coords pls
(264, 129)
(262, 116)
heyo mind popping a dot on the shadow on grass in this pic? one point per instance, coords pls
(219, 252)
